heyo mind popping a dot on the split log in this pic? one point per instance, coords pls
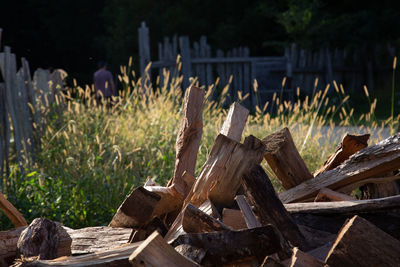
(112, 257)
(235, 121)
(220, 177)
(284, 159)
(321, 252)
(360, 243)
(248, 214)
(142, 233)
(136, 210)
(349, 145)
(378, 180)
(209, 208)
(44, 238)
(11, 212)
(366, 163)
(325, 194)
(228, 246)
(196, 221)
(301, 259)
(189, 136)
(191, 252)
(316, 238)
(8, 244)
(234, 219)
(270, 209)
(154, 251)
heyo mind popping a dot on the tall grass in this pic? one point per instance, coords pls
(91, 156)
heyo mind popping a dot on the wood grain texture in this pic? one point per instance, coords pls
(366, 163)
(11, 212)
(235, 121)
(196, 221)
(248, 214)
(234, 219)
(326, 194)
(284, 159)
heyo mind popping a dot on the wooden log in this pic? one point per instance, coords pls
(349, 145)
(248, 214)
(196, 221)
(8, 244)
(136, 210)
(270, 209)
(209, 208)
(191, 252)
(189, 135)
(234, 219)
(112, 257)
(154, 251)
(220, 177)
(142, 233)
(321, 252)
(360, 243)
(377, 180)
(235, 121)
(284, 159)
(11, 212)
(366, 163)
(44, 238)
(226, 246)
(301, 259)
(325, 194)
(379, 190)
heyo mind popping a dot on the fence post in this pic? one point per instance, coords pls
(184, 45)
(144, 47)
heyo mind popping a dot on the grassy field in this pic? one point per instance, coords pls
(91, 156)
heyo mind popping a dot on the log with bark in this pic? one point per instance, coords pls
(284, 159)
(366, 163)
(360, 243)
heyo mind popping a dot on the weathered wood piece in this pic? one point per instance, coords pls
(11, 212)
(325, 194)
(284, 159)
(234, 219)
(8, 244)
(349, 145)
(235, 121)
(189, 135)
(170, 199)
(220, 177)
(228, 246)
(360, 243)
(377, 180)
(321, 252)
(379, 190)
(191, 252)
(248, 214)
(136, 210)
(209, 208)
(270, 209)
(301, 259)
(196, 221)
(113, 257)
(366, 163)
(154, 251)
(44, 238)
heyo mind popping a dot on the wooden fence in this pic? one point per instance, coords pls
(22, 99)
(353, 68)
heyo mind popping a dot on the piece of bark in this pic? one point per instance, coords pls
(360, 243)
(284, 159)
(269, 208)
(366, 163)
(220, 177)
(154, 251)
(11, 212)
(118, 256)
(44, 238)
(136, 210)
(248, 214)
(349, 145)
(189, 135)
(196, 221)
(235, 121)
(234, 219)
(301, 259)
(326, 194)
(227, 246)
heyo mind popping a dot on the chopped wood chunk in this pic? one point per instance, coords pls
(325, 194)
(234, 219)
(248, 214)
(235, 121)
(196, 221)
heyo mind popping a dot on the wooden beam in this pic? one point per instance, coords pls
(154, 251)
(189, 135)
(196, 221)
(235, 121)
(227, 246)
(248, 214)
(360, 243)
(349, 145)
(325, 194)
(366, 163)
(270, 209)
(284, 159)
(11, 212)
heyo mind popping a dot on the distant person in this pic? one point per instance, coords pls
(103, 83)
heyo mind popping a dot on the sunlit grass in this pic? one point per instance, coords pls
(92, 155)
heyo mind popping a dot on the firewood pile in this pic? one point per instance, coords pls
(230, 215)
